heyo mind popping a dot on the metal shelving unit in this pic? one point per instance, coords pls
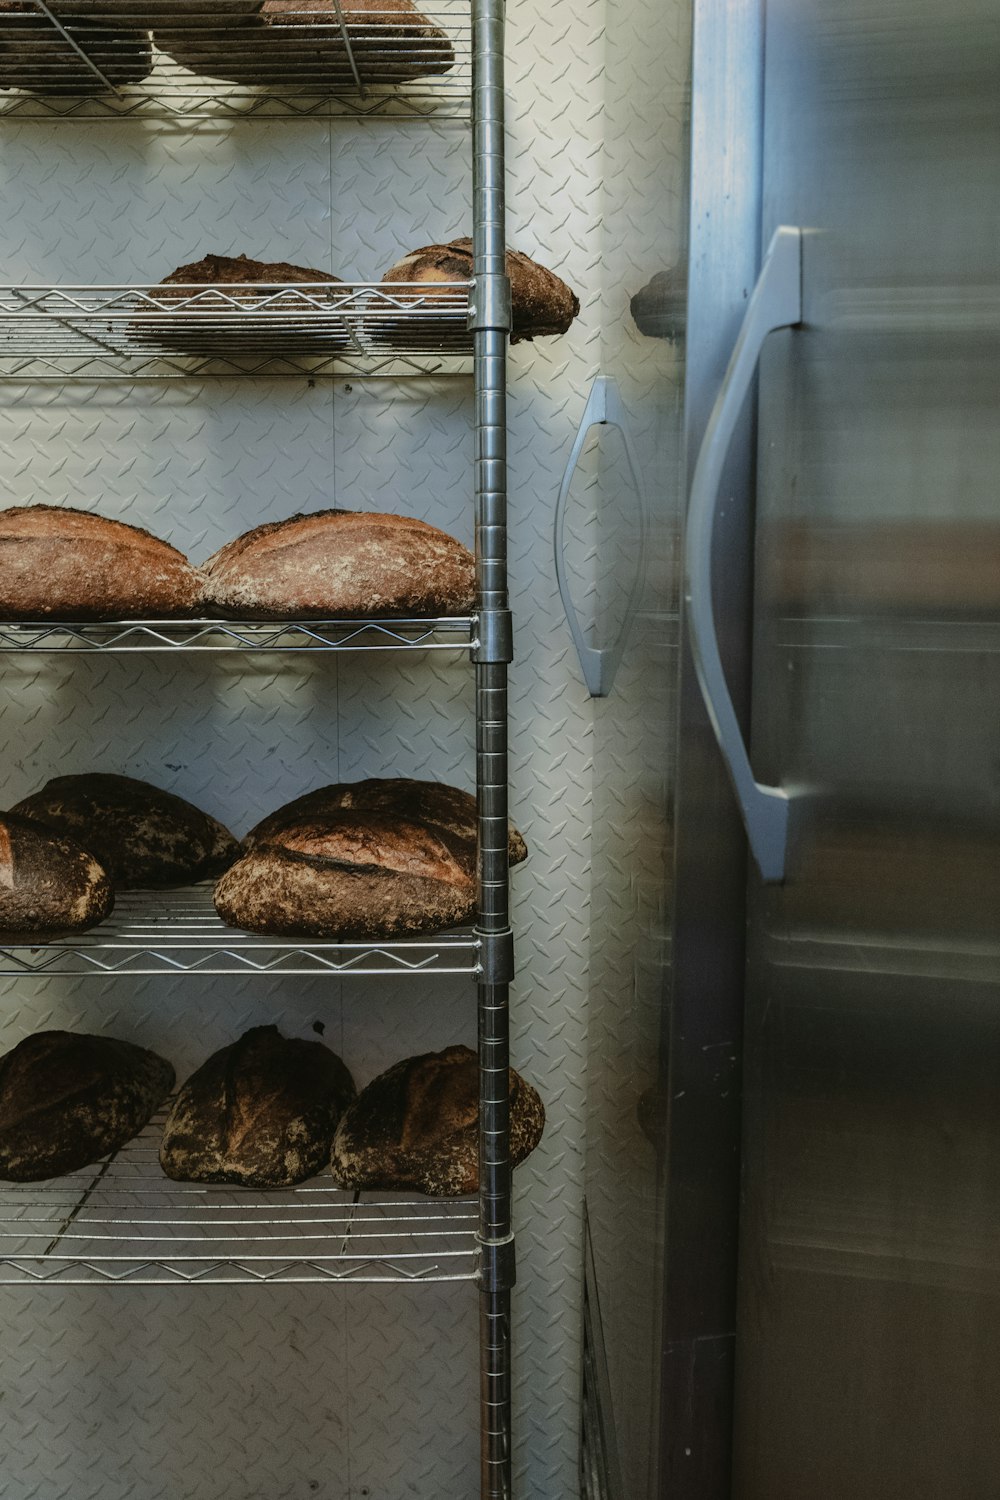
(123, 1222)
(175, 331)
(455, 633)
(318, 63)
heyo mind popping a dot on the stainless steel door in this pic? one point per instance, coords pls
(868, 1353)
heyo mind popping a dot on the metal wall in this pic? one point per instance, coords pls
(338, 1393)
(869, 1333)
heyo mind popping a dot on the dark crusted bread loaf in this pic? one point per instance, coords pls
(34, 54)
(261, 1113)
(541, 303)
(240, 321)
(301, 43)
(338, 563)
(142, 835)
(213, 14)
(431, 802)
(66, 1100)
(57, 563)
(48, 883)
(416, 1126)
(361, 860)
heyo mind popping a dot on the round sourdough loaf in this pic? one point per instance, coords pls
(300, 43)
(66, 1100)
(363, 859)
(34, 55)
(49, 883)
(260, 1113)
(416, 1126)
(57, 563)
(240, 322)
(430, 802)
(541, 303)
(342, 564)
(142, 835)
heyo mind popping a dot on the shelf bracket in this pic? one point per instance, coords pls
(489, 304)
(494, 636)
(496, 957)
(497, 1265)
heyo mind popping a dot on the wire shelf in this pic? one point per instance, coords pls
(235, 60)
(174, 331)
(452, 633)
(122, 1222)
(179, 932)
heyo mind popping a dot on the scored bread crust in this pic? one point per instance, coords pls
(142, 835)
(342, 564)
(67, 1099)
(416, 1126)
(49, 883)
(541, 302)
(233, 270)
(259, 1113)
(352, 875)
(432, 802)
(60, 563)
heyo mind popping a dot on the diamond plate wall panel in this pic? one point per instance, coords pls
(228, 1394)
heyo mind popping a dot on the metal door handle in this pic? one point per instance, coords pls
(776, 302)
(604, 406)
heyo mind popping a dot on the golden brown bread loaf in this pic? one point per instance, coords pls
(342, 564)
(49, 883)
(541, 303)
(142, 835)
(416, 1127)
(361, 860)
(34, 55)
(300, 43)
(260, 1113)
(68, 1099)
(57, 563)
(240, 322)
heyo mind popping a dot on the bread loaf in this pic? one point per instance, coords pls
(142, 836)
(364, 860)
(49, 884)
(57, 563)
(300, 44)
(541, 303)
(342, 564)
(430, 802)
(416, 1127)
(66, 1100)
(34, 54)
(260, 1113)
(247, 318)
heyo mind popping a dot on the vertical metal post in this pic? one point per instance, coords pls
(490, 321)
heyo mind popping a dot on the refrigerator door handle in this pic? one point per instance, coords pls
(599, 665)
(776, 302)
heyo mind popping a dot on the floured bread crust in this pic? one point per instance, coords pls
(541, 303)
(260, 1113)
(342, 564)
(300, 42)
(143, 836)
(49, 884)
(416, 1127)
(67, 1099)
(57, 563)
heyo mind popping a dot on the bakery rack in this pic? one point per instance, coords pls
(178, 932)
(175, 332)
(123, 1222)
(454, 633)
(336, 68)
